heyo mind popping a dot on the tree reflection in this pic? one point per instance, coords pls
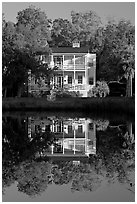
(33, 177)
(114, 160)
(17, 147)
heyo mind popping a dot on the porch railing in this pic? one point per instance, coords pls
(71, 67)
(75, 87)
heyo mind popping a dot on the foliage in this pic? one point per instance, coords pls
(64, 93)
(21, 42)
(32, 177)
(81, 27)
(62, 32)
(109, 43)
(114, 45)
(33, 25)
(101, 125)
(128, 63)
(100, 90)
(85, 24)
(114, 161)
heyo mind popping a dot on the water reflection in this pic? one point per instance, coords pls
(74, 137)
(82, 153)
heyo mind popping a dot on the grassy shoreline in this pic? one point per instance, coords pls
(114, 105)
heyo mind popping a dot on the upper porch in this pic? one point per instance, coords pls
(72, 61)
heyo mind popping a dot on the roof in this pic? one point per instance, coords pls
(69, 49)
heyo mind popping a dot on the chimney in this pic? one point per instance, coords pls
(75, 44)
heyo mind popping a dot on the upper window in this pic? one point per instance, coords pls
(70, 129)
(58, 60)
(80, 59)
(91, 81)
(80, 79)
(80, 128)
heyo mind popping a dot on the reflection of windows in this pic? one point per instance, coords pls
(69, 79)
(37, 128)
(79, 128)
(80, 79)
(90, 143)
(90, 126)
(47, 128)
(91, 81)
(59, 128)
(69, 128)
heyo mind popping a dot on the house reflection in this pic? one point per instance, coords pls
(74, 137)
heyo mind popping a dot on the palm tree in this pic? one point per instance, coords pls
(128, 59)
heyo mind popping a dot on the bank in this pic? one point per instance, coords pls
(116, 105)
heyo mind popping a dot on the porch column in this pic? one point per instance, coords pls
(63, 73)
(74, 140)
(86, 136)
(86, 75)
(52, 61)
(74, 72)
(94, 64)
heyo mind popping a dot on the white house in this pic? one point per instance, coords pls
(76, 69)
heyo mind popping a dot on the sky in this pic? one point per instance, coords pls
(116, 10)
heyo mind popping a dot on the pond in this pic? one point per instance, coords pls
(63, 157)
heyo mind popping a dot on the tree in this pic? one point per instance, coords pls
(22, 42)
(62, 32)
(81, 27)
(34, 25)
(85, 24)
(109, 44)
(128, 62)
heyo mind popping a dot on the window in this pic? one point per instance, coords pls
(90, 126)
(58, 60)
(80, 59)
(69, 79)
(80, 129)
(69, 128)
(91, 81)
(80, 79)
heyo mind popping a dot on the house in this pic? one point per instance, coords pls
(76, 69)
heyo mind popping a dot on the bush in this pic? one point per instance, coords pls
(38, 94)
(64, 93)
(100, 90)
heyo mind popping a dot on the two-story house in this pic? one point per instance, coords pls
(76, 69)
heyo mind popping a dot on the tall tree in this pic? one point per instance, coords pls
(34, 25)
(109, 44)
(128, 62)
(22, 42)
(85, 24)
(62, 32)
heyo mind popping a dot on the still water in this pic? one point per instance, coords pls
(67, 158)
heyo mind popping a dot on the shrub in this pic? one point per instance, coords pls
(38, 94)
(64, 93)
(100, 90)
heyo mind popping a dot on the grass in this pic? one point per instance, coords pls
(116, 105)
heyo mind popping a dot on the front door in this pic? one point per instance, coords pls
(60, 81)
